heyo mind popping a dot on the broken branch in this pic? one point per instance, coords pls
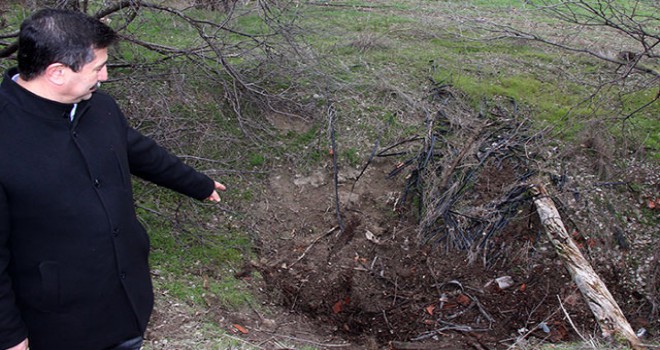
(609, 316)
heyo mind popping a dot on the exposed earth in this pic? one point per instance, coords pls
(373, 285)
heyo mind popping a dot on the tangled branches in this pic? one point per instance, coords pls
(447, 178)
(469, 177)
(623, 35)
(242, 67)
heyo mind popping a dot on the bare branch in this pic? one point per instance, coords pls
(506, 31)
(9, 50)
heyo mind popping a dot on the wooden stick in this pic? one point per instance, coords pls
(331, 126)
(609, 316)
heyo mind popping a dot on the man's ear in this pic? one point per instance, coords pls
(55, 73)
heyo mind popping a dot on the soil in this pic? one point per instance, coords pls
(373, 285)
(368, 283)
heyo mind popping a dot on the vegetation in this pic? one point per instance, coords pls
(207, 83)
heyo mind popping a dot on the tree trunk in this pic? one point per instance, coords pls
(609, 316)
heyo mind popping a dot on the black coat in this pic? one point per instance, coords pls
(74, 268)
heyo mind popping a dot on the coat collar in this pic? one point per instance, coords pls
(34, 104)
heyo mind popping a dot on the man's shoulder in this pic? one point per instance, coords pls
(104, 98)
(7, 93)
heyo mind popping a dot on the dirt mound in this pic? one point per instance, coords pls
(485, 278)
(373, 284)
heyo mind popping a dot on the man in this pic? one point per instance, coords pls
(73, 257)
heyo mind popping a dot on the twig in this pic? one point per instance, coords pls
(242, 341)
(312, 244)
(331, 122)
(483, 310)
(329, 345)
(510, 32)
(329, 4)
(233, 171)
(537, 326)
(396, 289)
(410, 139)
(570, 320)
(540, 303)
(459, 313)
(389, 325)
(448, 327)
(371, 158)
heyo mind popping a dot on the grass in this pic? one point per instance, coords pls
(193, 262)
(203, 292)
(306, 145)
(367, 46)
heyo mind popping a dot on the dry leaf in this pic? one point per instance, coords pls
(338, 307)
(241, 329)
(429, 309)
(463, 300)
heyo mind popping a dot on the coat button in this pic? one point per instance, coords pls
(75, 134)
(115, 232)
(97, 183)
(122, 275)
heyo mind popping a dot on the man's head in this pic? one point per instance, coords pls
(60, 36)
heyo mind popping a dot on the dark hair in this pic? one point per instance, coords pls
(62, 36)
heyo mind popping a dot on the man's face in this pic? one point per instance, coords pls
(80, 85)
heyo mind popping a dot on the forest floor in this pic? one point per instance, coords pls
(372, 286)
(366, 281)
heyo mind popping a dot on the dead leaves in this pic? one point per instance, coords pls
(240, 328)
(448, 304)
(340, 304)
(429, 309)
(463, 299)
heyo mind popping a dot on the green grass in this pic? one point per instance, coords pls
(193, 261)
(202, 291)
(494, 3)
(368, 45)
(352, 156)
(306, 146)
(256, 160)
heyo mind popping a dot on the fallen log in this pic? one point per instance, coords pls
(613, 324)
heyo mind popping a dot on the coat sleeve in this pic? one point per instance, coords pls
(153, 163)
(12, 328)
